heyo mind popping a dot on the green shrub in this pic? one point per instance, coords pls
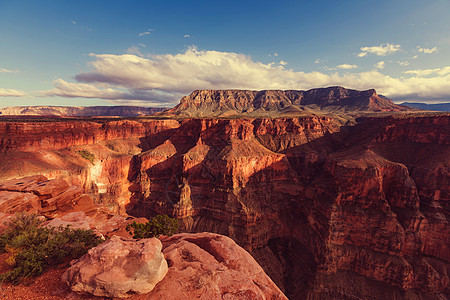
(34, 249)
(87, 155)
(159, 225)
(22, 222)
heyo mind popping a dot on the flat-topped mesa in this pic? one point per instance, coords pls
(203, 103)
(88, 111)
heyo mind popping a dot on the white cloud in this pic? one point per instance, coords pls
(382, 50)
(83, 90)
(68, 89)
(427, 50)
(317, 61)
(346, 67)
(282, 62)
(403, 63)
(275, 54)
(146, 32)
(380, 65)
(3, 70)
(167, 77)
(187, 35)
(11, 93)
(426, 72)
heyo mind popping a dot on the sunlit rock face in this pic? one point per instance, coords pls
(211, 266)
(118, 268)
(224, 103)
(56, 148)
(319, 205)
(329, 208)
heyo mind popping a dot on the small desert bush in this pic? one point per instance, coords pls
(33, 249)
(159, 225)
(87, 155)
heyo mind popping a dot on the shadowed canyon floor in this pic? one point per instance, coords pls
(330, 207)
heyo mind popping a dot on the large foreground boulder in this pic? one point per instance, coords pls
(211, 266)
(118, 268)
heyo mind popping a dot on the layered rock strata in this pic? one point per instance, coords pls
(329, 211)
(320, 206)
(87, 111)
(208, 103)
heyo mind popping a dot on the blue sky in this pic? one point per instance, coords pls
(151, 53)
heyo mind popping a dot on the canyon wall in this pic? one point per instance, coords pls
(94, 155)
(328, 210)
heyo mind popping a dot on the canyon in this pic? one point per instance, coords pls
(337, 194)
(78, 111)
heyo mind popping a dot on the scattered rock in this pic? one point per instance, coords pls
(118, 268)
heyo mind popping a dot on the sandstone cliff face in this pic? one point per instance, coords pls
(329, 211)
(318, 205)
(204, 103)
(55, 148)
(31, 136)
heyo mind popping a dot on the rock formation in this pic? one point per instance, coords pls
(88, 111)
(118, 268)
(200, 266)
(210, 103)
(39, 195)
(330, 205)
(211, 266)
(317, 204)
(32, 135)
(55, 149)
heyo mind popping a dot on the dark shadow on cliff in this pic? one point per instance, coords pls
(276, 230)
(284, 223)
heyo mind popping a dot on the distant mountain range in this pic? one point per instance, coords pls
(245, 103)
(88, 111)
(228, 103)
(425, 106)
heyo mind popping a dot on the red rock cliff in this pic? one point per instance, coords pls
(329, 211)
(31, 136)
(207, 103)
(318, 205)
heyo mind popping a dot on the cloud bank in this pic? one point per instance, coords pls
(11, 93)
(165, 78)
(83, 90)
